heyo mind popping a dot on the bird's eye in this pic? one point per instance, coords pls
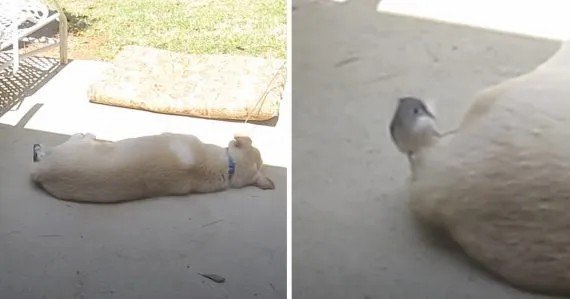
(416, 111)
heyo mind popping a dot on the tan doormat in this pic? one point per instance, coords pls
(210, 86)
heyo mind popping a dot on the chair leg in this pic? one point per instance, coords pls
(62, 37)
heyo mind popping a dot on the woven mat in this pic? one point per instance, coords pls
(209, 86)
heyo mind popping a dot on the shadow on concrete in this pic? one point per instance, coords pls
(26, 118)
(160, 245)
(34, 73)
(272, 122)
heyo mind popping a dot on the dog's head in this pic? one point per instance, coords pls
(248, 165)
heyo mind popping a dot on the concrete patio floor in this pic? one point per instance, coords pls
(353, 234)
(144, 249)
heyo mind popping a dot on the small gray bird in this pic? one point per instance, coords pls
(413, 126)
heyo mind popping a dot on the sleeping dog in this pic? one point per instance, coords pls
(85, 169)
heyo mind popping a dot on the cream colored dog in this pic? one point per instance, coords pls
(85, 169)
(501, 184)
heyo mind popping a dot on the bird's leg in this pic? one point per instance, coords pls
(412, 160)
(411, 157)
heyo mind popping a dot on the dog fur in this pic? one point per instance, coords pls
(501, 185)
(85, 169)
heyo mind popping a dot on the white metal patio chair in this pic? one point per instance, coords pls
(21, 18)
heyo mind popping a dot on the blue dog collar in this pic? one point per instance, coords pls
(231, 164)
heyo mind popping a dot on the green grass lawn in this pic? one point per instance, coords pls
(100, 28)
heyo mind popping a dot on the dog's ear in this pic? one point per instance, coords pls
(263, 182)
(242, 141)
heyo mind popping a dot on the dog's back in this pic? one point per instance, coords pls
(99, 171)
